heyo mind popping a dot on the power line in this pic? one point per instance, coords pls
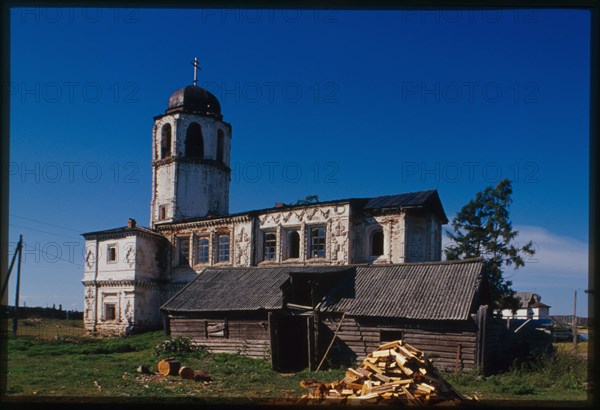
(42, 231)
(56, 257)
(45, 223)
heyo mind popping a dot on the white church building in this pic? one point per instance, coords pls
(130, 271)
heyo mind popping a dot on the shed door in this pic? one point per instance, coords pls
(291, 342)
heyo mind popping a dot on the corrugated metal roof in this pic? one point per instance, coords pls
(433, 291)
(229, 289)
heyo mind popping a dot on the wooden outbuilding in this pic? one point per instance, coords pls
(295, 315)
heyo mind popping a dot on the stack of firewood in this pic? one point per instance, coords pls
(395, 373)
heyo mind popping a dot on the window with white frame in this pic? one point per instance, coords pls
(223, 249)
(318, 241)
(202, 250)
(269, 246)
(111, 253)
(183, 250)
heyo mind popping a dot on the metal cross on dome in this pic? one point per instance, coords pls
(196, 67)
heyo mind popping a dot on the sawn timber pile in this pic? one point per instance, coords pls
(395, 373)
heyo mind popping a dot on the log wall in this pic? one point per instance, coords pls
(237, 336)
(440, 341)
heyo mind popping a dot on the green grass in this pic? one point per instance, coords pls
(89, 367)
(556, 377)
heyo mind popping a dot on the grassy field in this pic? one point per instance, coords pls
(89, 368)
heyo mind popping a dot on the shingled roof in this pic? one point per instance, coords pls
(231, 289)
(426, 291)
(432, 291)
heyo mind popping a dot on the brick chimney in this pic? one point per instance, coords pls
(131, 223)
(279, 204)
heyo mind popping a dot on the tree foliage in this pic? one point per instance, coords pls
(482, 228)
(309, 199)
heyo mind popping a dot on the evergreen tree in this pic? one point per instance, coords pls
(483, 228)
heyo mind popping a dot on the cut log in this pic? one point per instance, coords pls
(186, 373)
(201, 375)
(168, 367)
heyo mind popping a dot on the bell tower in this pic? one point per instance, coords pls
(190, 157)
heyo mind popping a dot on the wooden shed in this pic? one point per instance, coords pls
(291, 314)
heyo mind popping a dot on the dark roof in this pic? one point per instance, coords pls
(122, 230)
(432, 290)
(196, 100)
(423, 199)
(235, 289)
(426, 291)
(526, 299)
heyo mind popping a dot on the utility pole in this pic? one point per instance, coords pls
(574, 323)
(16, 314)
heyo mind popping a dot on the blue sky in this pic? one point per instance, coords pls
(329, 102)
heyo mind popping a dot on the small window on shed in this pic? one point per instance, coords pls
(377, 243)
(390, 335)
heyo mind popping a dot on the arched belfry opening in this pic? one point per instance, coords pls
(221, 146)
(194, 143)
(165, 141)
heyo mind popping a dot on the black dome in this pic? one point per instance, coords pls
(196, 100)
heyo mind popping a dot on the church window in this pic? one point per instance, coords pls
(183, 251)
(111, 253)
(165, 141)
(110, 311)
(223, 249)
(270, 245)
(294, 245)
(220, 146)
(202, 250)
(377, 243)
(162, 212)
(317, 242)
(194, 143)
